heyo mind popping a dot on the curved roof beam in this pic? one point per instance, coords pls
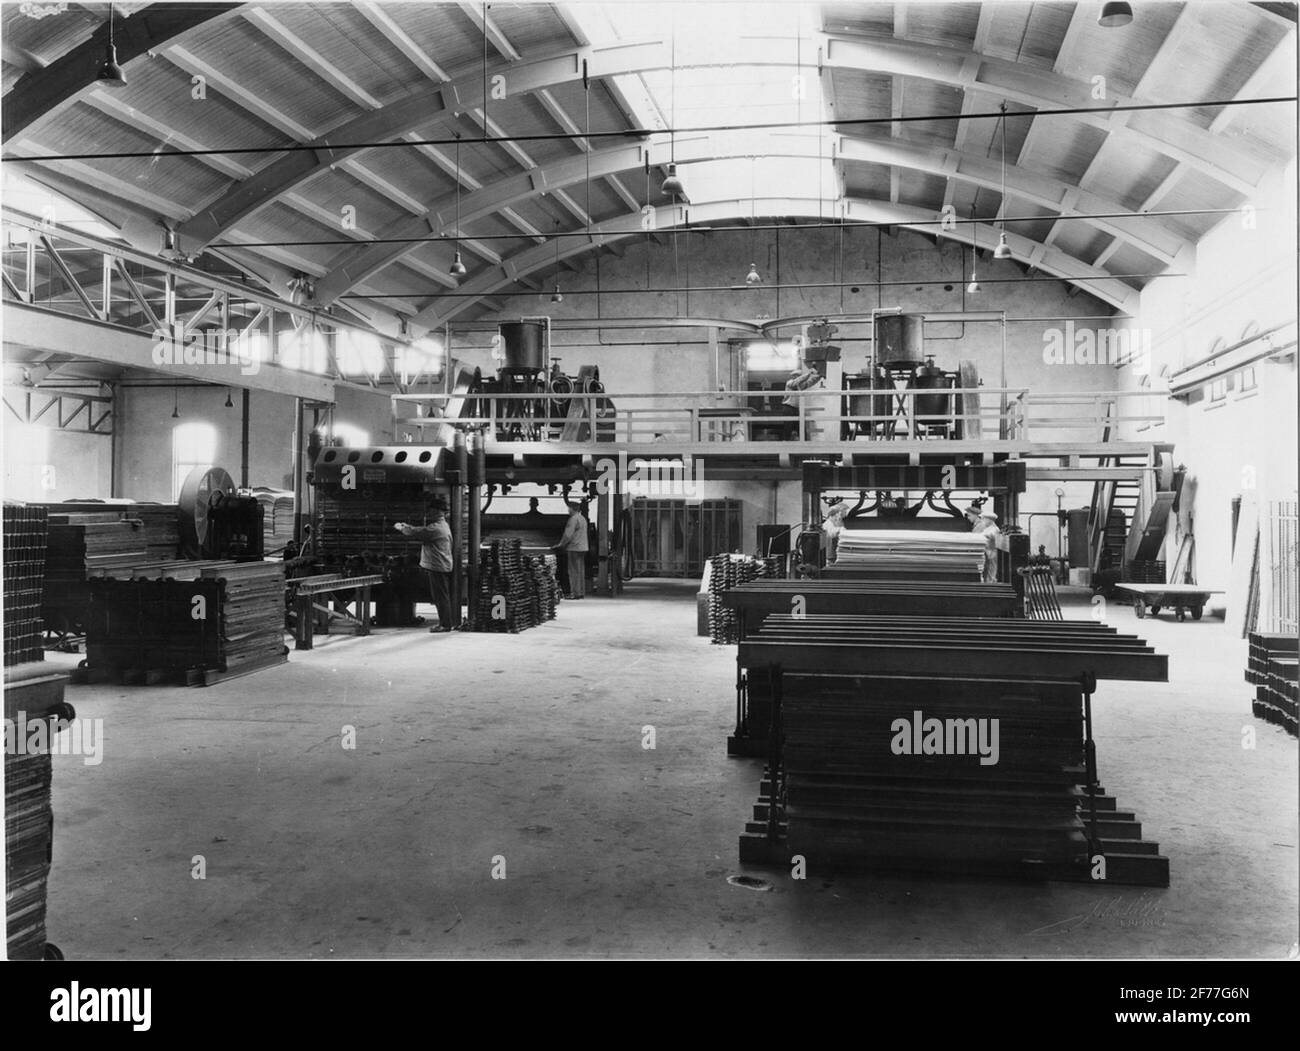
(404, 116)
(40, 91)
(358, 264)
(856, 209)
(1232, 163)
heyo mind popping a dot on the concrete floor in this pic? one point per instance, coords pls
(529, 748)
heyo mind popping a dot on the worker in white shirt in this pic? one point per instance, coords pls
(574, 544)
(833, 526)
(987, 526)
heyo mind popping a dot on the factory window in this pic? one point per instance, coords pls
(353, 437)
(1246, 381)
(424, 356)
(1219, 389)
(193, 445)
(358, 353)
(771, 357)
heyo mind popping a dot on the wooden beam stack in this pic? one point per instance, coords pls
(909, 554)
(24, 528)
(941, 744)
(1272, 666)
(197, 622)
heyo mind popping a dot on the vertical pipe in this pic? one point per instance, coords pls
(1002, 382)
(477, 456)
(114, 442)
(243, 439)
(297, 470)
(604, 582)
(458, 475)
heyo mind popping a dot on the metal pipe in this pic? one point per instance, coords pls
(457, 478)
(298, 480)
(243, 440)
(477, 464)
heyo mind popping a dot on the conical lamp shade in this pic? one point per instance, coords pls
(672, 186)
(110, 74)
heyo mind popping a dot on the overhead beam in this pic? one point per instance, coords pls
(309, 57)
(358, 264)
(36, 329)
(493, 32)
(395, 35)
(1235, 164)
(1053, 261)
(42, 91)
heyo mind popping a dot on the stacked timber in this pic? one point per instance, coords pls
(277, 517)
(756, 599)
(1272, 667)
(544, 589)
(196, 622)
(909, 554)
(937, 743)
(89, 539)
(514, 593)
(24, 529)
(909, 770)
(1143, 571)
(727, 572)
(35, 714)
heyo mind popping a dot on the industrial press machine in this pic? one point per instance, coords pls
(538, 405)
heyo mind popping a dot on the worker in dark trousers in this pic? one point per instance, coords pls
(435, 558)
(574, 544)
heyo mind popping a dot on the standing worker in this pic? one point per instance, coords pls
(988, 527)
(833, 525)
(435, 558)
(574, 544)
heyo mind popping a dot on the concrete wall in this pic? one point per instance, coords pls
(41, 463)
(145, 464)
(1239, 276)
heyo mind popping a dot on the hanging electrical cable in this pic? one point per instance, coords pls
(672, 185)
(625, 134)
(1003, 250)
(457, 269)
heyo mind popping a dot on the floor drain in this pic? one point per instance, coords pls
(749, 882)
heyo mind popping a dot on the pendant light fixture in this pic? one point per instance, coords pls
(1003, 250)
(1114, 15)
(229, 404)
(176, 405)
(556, 296)
(753, 277)
(457, 269)
(672, 185)
(110, 74)
(974, 287)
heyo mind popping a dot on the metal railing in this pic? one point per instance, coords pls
(692, 417)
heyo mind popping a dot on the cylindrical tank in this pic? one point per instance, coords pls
(1076, 532)
(883, 401)
(856, 404)
(524, 344)
(900, 339)
(932, 409)
(872, 395)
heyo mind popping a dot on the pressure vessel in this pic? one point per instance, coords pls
(524, 344)
(932, 409)
(899, 339)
